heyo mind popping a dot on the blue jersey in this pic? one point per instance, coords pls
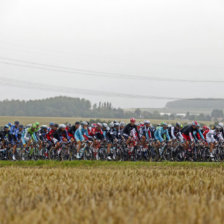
(80, 133)
(14, 131)
(160, 132)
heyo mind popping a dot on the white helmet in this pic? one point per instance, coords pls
(62, 126)
(122, 124)
(116, 124)
(44, 127)
(147, 122)
(105, 125)
(111, 125)
(221, 124)
(84, 123)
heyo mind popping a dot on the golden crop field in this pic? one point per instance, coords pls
(45, 120)
(123, 193)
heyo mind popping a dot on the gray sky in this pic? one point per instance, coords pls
(121, 51)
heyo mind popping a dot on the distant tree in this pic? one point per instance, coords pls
(217, 113)
(138, 113)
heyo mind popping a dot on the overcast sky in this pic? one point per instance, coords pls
(123, 51)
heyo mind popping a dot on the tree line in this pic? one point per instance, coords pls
(77, 107)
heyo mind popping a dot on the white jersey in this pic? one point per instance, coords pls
(210, 137)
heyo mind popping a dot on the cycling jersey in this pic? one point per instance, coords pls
(6, 136)
(116, 133)
(212, 136)
(81, 134)
(108, 135)
(14, 131)
(160, 133)
(61, 135)
(148, 132)
(205, 133)
(175, 133)
(72, 131)
(50, 135)
(131, 129)
(191, 134)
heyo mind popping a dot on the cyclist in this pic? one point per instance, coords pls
(175, 132)
(122, 126)
(5, 136)
(147, 131)
(212, 137)
(205, 130)
(72, 130)
(81, 135)
(192, 132)
(96, 131)
(50, 136)
(43, 132)
(115, 132)
(14, 131)
(161, 134)
(131, 130)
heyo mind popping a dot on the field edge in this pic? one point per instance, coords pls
(64, 164)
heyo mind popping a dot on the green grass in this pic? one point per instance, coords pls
(105, 164)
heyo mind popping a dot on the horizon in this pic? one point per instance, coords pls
(132, 53)
(61, 96)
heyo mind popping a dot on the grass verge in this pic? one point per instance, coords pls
(52, 164)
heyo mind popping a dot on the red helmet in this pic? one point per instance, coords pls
(205, 127)
(132, 119)
(195, 123)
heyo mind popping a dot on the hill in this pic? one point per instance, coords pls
(60, 106)
(195, 105)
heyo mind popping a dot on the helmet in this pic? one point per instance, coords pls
(218, 128)
(84, 123)
(68, 124)
(99, 125)
(77, 123)
(9, 124)
(132, 119)
(205, 127)
(6, 126)
(221, 124)
(21, 126)
(169, 125)
(147, 122)
(16, 122)
(105, 125)
(44, 127)
(37, 123)
(93, 125)
(195, 123)
(164, 124)
(34, 126)
(51, 124)
(62, 126)
(56, 125)
(111, 125)
(116, 124)
(178, 125)
(122, 124)
(29, 125)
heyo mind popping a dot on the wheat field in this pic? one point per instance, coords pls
(45, 120)
(112, 194)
